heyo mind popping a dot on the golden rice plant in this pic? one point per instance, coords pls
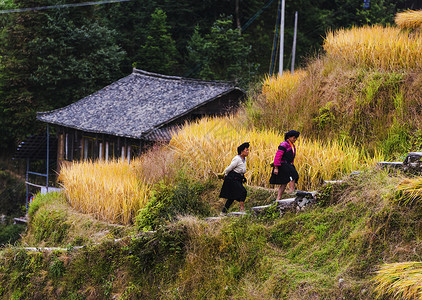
(409, 19)
(110, 191)
(275, 100)
(409, 190)
(386, 48)
(400, 280)
(208, 146)
(276, 88)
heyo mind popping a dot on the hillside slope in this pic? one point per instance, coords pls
(327, 252)
(359, 99)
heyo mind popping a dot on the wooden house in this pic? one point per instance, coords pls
(122, 119)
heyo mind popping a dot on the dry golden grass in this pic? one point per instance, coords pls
(115, 191)
(385, 48)
(276, 88)
(409, 190)
(400, 280)
(208, 146)
(108, 190)
(409, 19)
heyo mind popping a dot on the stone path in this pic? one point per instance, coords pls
(297, 203)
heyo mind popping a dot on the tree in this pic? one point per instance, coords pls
(72, 59)
(159, 53)
(50, 59)
(221, 54)
(128, 19)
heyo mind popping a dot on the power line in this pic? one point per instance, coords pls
(256, 15)
(59, 6)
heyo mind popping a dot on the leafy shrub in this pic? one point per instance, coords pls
(42, 199)
(10, 233)
(12, 194)
(329, 193)
(157, 252)
(50, 225)
(271, 213)
(169, 201)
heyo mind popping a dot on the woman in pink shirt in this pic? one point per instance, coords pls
(284, 170)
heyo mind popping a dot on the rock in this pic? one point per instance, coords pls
(390, 165)
(213, 218)
(258, 209)
(331, 181)
(412, 163)
(284, 203)
(236, 214)
(340, 282)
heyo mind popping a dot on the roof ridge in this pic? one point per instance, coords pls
(151, 74)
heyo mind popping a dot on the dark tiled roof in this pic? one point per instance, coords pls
(163, 134)
(137, 104)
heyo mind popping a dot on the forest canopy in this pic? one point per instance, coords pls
(53, 57)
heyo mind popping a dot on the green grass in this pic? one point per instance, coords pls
(303, 255)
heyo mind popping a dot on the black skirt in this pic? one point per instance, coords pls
(286, 173)
(233, 187)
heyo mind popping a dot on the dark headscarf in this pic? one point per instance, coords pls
(242, 147)
(291, 133)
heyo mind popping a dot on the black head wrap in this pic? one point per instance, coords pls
(291, 133)
(242, 147)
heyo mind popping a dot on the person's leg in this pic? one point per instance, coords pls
(291, 186)
(227, 205)
(281, 191)
(242, 205)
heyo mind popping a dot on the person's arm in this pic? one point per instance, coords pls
(278, 156)
(232, 166)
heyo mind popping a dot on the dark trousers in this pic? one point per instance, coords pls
(226, 207)
(229, 202)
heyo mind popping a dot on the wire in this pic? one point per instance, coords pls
(256, 15)
(59, 6)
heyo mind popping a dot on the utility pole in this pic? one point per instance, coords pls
(294, 45)
(280, 70)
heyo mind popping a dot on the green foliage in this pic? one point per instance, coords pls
(221, 54)
(88, 58)
(271, 213)
(50, 59)
(156, 253)
(21, 267)
(167, 202)
(12, 194)
(159, 53)
(398, 142)
(9, 234)
(329, 193)
(355, 230)
(56, 268)
(50, 226)
(326, 116)
(40, 200)
(244, 242)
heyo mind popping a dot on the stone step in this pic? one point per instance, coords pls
(260, 208)
(214, 218)
(304, 194)
(332, 181)
(236, 214)
(286, 202)
(20, 220)
(393, 164)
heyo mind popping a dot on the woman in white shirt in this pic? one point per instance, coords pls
(233, 188)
